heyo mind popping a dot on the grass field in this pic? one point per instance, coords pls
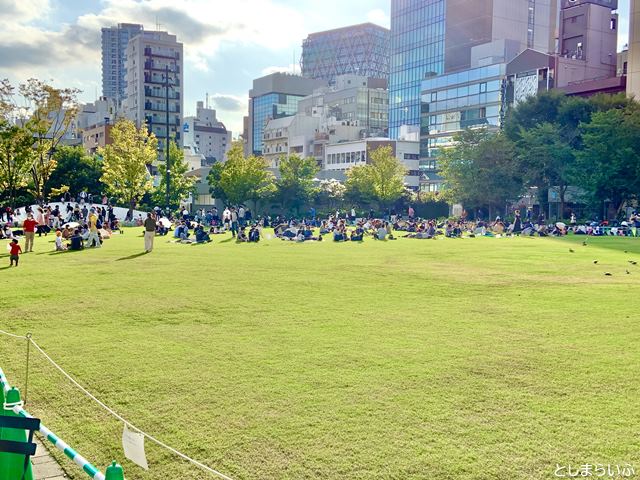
(408, 359)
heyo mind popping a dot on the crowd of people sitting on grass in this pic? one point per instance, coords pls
(82, 226)
(86, 227)
(346, 226)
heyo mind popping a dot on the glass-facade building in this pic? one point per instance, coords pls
(268, 107)
(275, 96)
(359, 49)
(470, 98)
(417, 50)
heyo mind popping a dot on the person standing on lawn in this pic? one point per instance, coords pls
(14, 252)
(149, 232)
(93, 240)
(29, 227)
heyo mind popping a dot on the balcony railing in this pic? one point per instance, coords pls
(158, 93)
(161, 53)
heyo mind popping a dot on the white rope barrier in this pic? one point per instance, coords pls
(115, 414)
(2, 332)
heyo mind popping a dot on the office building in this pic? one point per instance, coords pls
(433, 37)
(275, 96)
(358, 49)
(476, 98)
(209, 135)
(352, 108)
(340, 157)
(154, 61)
(588, 41)
(357, 100)
(114, 55)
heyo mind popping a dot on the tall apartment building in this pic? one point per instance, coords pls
(358, 49)
(154, 59)
(114, 55)
(433, 37)
(207, 134)
(275, 96)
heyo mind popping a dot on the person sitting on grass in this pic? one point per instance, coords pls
(254, 234)
(339, 235)
(60, 246)
(357, 235)
(77, 243)
(381, 233)
(242, 235)
(201, 235)
(67, 232)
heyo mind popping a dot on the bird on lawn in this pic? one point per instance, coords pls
(572, 250)
(628, 272)
(608, 274)
(632, 262)
(584, 244)
(595, 261)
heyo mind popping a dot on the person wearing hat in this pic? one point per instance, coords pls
(93, 240)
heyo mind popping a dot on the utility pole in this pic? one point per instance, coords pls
(167, 159)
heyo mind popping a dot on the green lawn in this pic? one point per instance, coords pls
(409, 359)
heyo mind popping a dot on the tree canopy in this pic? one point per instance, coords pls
(125, 161)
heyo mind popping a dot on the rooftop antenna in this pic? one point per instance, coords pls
(293, 64)
(206, 99)
(158, 24)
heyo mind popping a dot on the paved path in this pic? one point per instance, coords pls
(44, 466)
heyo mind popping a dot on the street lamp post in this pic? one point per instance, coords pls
(167, 140)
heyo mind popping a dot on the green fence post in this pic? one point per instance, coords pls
(11, 464)
(114, 472)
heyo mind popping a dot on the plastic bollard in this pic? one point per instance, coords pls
(11, 464)
(114, 472)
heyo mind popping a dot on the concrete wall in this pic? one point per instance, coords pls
(633, 66)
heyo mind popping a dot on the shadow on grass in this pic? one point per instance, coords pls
(625, 245)
(228, 240)
(131, 257)
(5, 268)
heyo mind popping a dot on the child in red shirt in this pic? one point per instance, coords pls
(14, 252)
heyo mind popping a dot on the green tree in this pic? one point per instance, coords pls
(331, 193)
(241, 179)
(386, 174)
(608, 166)
(53, 112)
(295, 186)
(125, 161)
(480, 170)
(76, 170)
(358, 186)
(547, 159)
(181, 185)
(16, 158)
(213, 179)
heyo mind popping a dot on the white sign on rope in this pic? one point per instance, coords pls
(133, 445)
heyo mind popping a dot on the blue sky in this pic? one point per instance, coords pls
(227, 44)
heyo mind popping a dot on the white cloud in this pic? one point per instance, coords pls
(24, 10)
(291, 68)
(379, 17)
